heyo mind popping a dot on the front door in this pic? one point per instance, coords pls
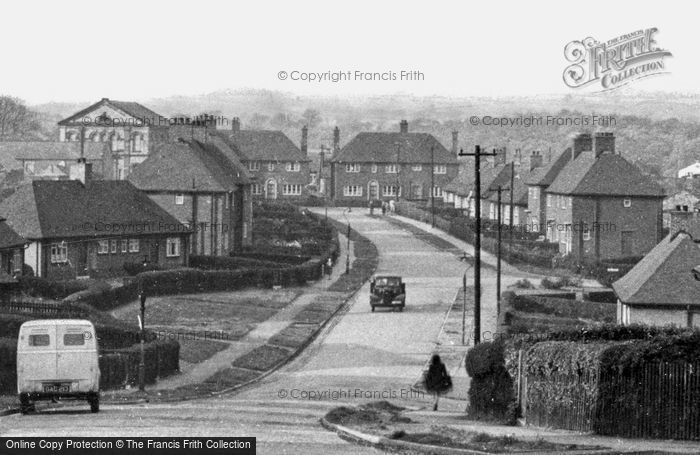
(271, 189)
(82, 260)
(373, 190)
(154, 249)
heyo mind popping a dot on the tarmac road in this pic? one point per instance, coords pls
(361, 356)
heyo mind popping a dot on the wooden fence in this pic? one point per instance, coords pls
(655, 400)
(40, 308)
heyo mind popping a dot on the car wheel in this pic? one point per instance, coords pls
(94, 404)
(372, 308)
(401, 308)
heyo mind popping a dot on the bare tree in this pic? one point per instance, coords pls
(16, 120)
(311, 117)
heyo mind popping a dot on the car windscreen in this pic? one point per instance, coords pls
(387, 281)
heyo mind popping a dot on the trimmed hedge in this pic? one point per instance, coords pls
(565, 308)
(54, 290)
(8, 365)
(232, 263)
(121, 367)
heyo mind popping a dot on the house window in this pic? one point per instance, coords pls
(437, 191)
(417, 167)
(133, 245)
(291, 190)
(124, 245)
(492, 211)
(374, 168)
(257, 189)
(179, 199)
(440, 169)
(549, 200)
(627, 202)
(293, 167)
(103, 247)
(391, 169)
(352, 190)
(352, 167)
(172, 247)
(253, 165)
(389, 190)
(59, 253)
(571, 202)
(271, 166)
(562, 200)
(112, 246)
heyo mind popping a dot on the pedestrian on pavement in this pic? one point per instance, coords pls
(371, 207)
(392, 206)
(329, 268)
(437, 380)
(383, 208)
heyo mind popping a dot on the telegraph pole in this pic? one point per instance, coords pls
(512, 206)
(498, 255)
(477, 238)
(398, 170)
(432, 185)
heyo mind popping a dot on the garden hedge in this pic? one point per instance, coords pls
(121, 367)
(491, 392)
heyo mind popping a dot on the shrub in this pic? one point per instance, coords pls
(54, 290)
(524, 284)
(134, 268)
(491, 394)
(121, 367)
(565, 308)
(8, 365)
(560, 282)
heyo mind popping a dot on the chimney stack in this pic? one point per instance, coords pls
(336, 140)
(186, 128)
(403, 126)
(455, 143)
(535, 159)
(583, 142)
(501, 156)
(82, 170)
(603, 142)
(236, 125)
(305, 140)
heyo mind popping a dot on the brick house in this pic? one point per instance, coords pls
(279, 167)
(84, 227)
(538, 181)
(11, 250)
(661, 290)
(385, 166)
(600, 206)
(43, 160)
(129, 128)
(202, 187)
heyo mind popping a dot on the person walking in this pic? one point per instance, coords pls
(383, 208)
(437, 380)
(329, 268)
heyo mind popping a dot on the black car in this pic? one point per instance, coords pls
(387, 291)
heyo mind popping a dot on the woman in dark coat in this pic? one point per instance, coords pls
(437, 380)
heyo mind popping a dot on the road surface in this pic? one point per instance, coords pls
(361, 356)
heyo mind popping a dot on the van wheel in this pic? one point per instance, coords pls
(25, 404)
(94, 404)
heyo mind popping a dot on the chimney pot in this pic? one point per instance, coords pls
(455, 143)
(403, 126)
(336, 140)
(236, 124)
(603, 142)
(305, 140)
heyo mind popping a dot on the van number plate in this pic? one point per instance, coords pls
(57, 388)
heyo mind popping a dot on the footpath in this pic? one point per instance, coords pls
(449, 346)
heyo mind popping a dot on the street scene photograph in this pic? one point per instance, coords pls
(349, 228)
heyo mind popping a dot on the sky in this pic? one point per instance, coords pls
(77, 50)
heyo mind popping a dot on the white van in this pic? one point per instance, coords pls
(57, 358)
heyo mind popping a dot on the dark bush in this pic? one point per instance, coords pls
(121, 367)
(491, 394)
(8, 365)
(54, 290)
(134, 268)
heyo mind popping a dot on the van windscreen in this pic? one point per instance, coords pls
(41, 339)
(73, 339)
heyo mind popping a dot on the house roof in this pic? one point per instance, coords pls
(544, 176)
(45, 209)
(520, 193)
(463, 184)
(188, 165)
(8, 237)
(664, 275)
(51, 151)
(129, 108)
(608, 175)
(385, 147)
(262, 145)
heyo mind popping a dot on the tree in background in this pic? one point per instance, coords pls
(17, 121)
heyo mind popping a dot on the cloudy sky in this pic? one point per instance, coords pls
(137, 50)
